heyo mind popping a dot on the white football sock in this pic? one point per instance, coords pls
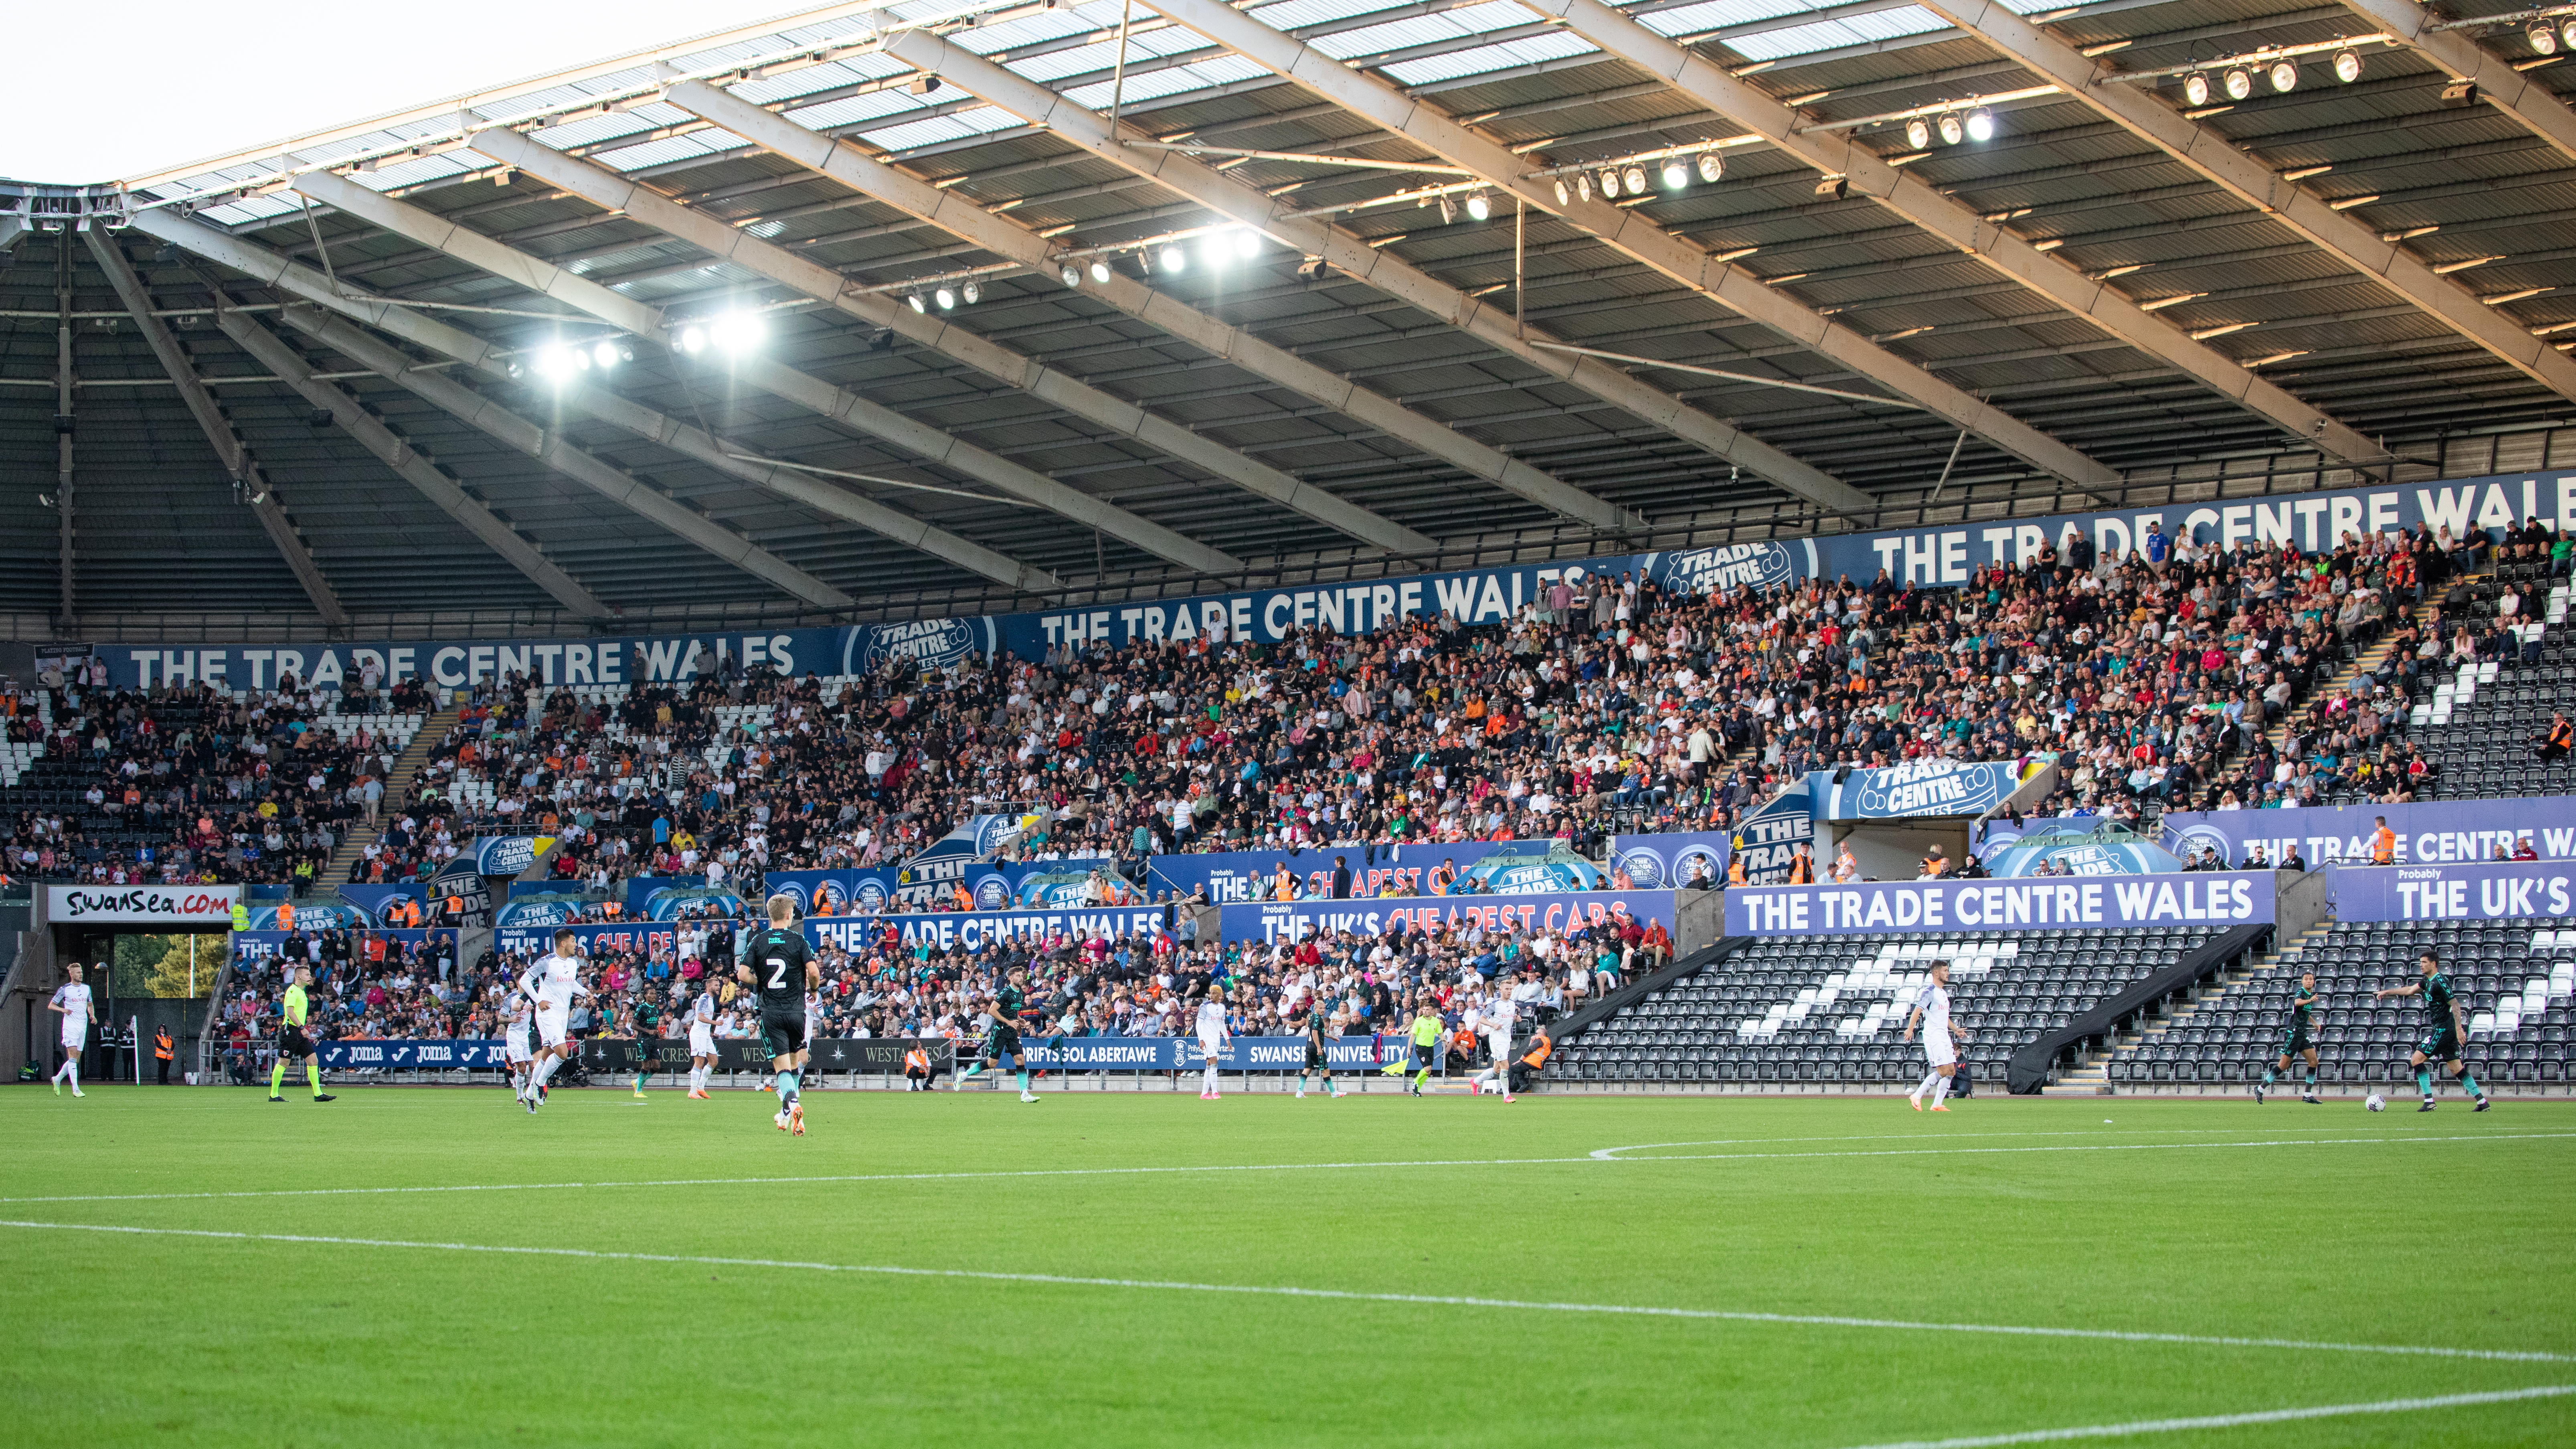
(1928, 1079)
(1940, 1090)
(1208, 1075)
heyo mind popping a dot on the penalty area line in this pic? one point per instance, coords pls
(1256, 1290)
(2234, 1421)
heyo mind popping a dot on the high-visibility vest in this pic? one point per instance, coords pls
(161, 1043)
(1536, 1056)
(286, 915)
(2383, 847)
(916, 1060)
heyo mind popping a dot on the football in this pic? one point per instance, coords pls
(2375, 1102)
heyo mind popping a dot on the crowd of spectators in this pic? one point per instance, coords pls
(1606, 704)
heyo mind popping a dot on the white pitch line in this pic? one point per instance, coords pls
(791, 1181)
(1820, 1320)
(2234, 1421)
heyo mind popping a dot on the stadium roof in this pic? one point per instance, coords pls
(1329, 313)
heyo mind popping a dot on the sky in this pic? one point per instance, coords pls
(100, 92)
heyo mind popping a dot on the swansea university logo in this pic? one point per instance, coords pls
(1644, 867)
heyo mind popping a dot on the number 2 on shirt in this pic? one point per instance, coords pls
(777, 974)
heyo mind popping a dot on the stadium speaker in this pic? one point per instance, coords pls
(2460, 93)
(63, 423)
(318, 418)
(1832, 188)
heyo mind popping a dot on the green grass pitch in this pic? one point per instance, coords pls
(1105, 1220)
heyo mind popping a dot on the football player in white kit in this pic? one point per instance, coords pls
(71, 1000)
(1212, 1039)
(702, 1043)
(515, 1044)
(552, 983)
(1498, 1017)
(1941, 1037)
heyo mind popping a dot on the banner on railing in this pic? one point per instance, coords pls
(974, 930)
(633, 938)
(1253, 875)
(875, 1054)
(1296, 920)
(2218, 898)
(2499, 891)
(508, 854)
(1182, 1053)
(2433, 832)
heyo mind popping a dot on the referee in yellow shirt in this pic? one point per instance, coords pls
(292, 1042)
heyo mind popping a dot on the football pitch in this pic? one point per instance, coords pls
(434, 1266)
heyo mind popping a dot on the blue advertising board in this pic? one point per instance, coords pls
(992, 885)
(1296, 920)
(1664, 862)
(2501, 891)
(2216, 898)
(508, 854)
(375, 900)
(1920, 788)
(262, 945)
(2087, 846)
(1933, 556)
(384, 1055)
(974, 930)
(1247, 875)
(634, 938)
(1183, 1054)
(2433, 832)
(313, 916)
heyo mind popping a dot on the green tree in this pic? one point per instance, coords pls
(153, 965)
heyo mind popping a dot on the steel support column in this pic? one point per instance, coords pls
(803, 389)
(710, 234)
(2211, 155)
(1630, 233)
(951, 211)
(272, 269)
(1247, 205)
(228, 446)
(416, 469)
(1836, 153)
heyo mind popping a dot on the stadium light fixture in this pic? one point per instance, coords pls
(2284, 76)
(738, 331)
(2543, 38)
(1479, 206)
(1174, 259)
(946, 299)
(973, 292)
(2195, 88)
(1099, 271)
(1981, 125)
(1583, 186)
(1952, 129)
(1564, 193)
(1071, 274)
(2239, 82)
(1918, 135)
(1676, 174)
(693, 340)
(916, 303)
(2567, 33)
(1711, 167)
(606, 355)
(2347, 66)
(1633, 180)
(1610, 183)
(1247, 243)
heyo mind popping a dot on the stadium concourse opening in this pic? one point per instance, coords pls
(1794, 644)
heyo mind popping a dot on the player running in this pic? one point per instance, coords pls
(702, 1042)
(1941, 1037)
(292, 1041)
(2299, 1040)
(550, 985)
(72, 1002)
(1002, 1046)
(515, 1045)
(777, 964)
(1317, 1036)
(1212, 1041)
(2443, 1031)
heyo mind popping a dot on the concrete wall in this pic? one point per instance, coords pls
(1699, 919)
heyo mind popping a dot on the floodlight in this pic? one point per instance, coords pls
(1634, 179)
(1071, 274)
(1711, 167)
(2544, 39)
(1610, 182)
(946, 299)
(1099, 271)
(1953, 130)
(737, 331)
(1174, 259)
(1448, 211)
(1480, 206)
(2284, 76)
(1981, 125)
(1583, 185)
(973, 293)
(1676, 174)
(606, 355)
(2567, 33)
(916, 303)
(2239, 82)
(2347, 66)
(2195, 88)
(1247, 243)
(693, 340)
(1918, 134)
(1564, 194)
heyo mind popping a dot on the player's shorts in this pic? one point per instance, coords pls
(1500, 1044)
(2294, 1041)
(75, 1036)
(702, 1040)
(1315, 1055)
(514, 1046)
(2440, 1046)
(1940, 1050)
(292, 1042)
(1212, 1050)
(784, 1032)
(1425, 1057)
(552, 1026)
